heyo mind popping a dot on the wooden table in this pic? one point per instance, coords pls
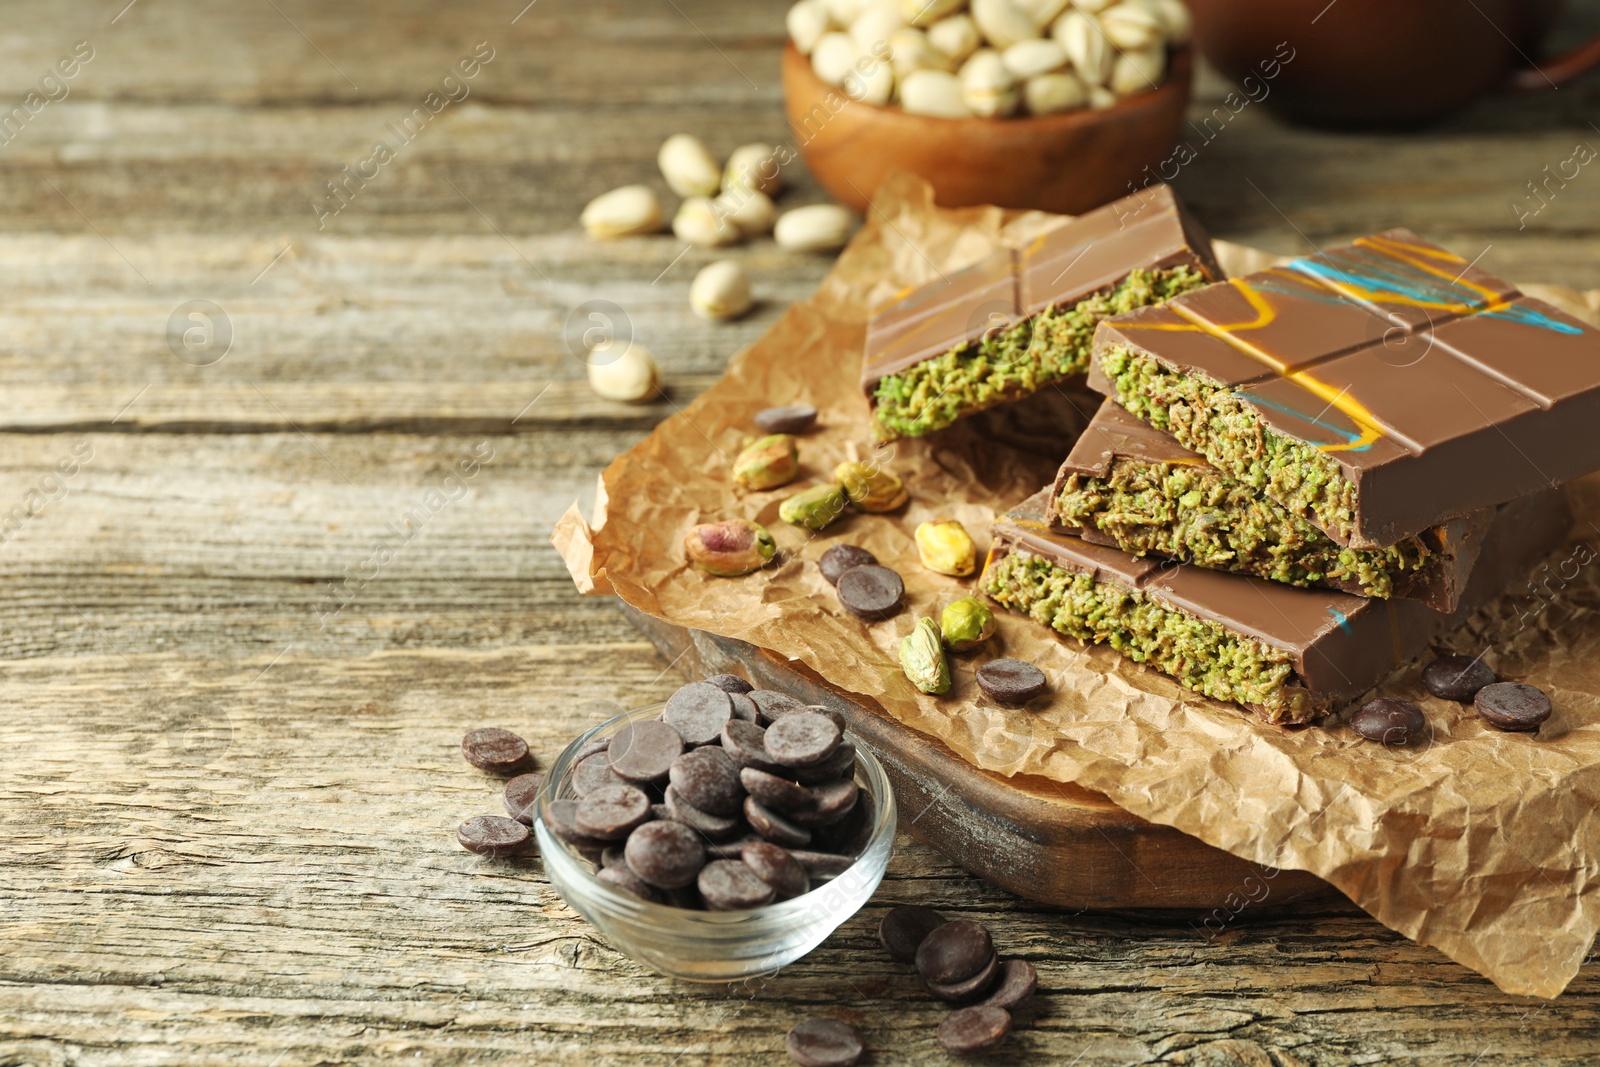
(228, 809)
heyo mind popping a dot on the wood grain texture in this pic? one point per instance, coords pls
(228, 813)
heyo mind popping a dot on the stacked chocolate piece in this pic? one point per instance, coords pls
(1301, 477)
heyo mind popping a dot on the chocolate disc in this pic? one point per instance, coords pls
(774, 827)
(612, 856)
(494, 836)
(625, 880)
(871, 592)
(851, 834)
(1394, 722)
(822, 864)
(598, 744)
(1011, 681)
(522, 796)
(831, 801)
(667, 855)
(716, 827)
(729, 683)
(1512, 706)
(824, 1043)
(976, 986)
(1456, 678)
(593, 773)
(563, 822)
(611, 812)
(495, 750)
(1018, 980)
(744, 708)
(698, 711)
(709, 779)
(974, 1029)
(747, 744)
(802, 739)
(842, 764)
(644, 751)
(774, 866)
(730, 885)
(905, 927)
(731, 849)
(954, 952)
(770, 705)
(792, 418)
(777, 793)
(841, 558)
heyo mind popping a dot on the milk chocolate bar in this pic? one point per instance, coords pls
(1376, 390)
(1290, 655)
(1020, 319)
(1133, 487)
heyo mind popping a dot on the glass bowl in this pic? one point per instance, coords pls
(712, 946)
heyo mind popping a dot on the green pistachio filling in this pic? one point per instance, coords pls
(1208, 418)
(1199, 653)
(1014, 362)
(1193, 513)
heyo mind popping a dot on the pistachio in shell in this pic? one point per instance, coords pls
(729, 548)
(946, 547)
(922, 658)
(966, 623)
(870, 487)
(813, 508)
(767, 462)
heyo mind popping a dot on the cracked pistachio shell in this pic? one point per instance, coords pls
(767, 462)
(933, 92)
(910, 51)
(927, 12)
(688, 166)
(629, 375)
(874, 27)
(987, 87)
(621, 212)
(1091, 54)
(1139, 71)
(1043, 12)
(922, 658)
(966, 623)
(1131, 25)
(813, 508)
(869, 487)
(815, 228)
(946, 547)
(729, 549)
(752, 213)
(720, 291)
(834, 57)
(705, 223)
(806, 21)
(956, 36)
(1050, 94)
(1003, 22)
(1177, 23)
(754, 166)
(1026, 59)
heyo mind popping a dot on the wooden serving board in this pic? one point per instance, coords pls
(1040, 839)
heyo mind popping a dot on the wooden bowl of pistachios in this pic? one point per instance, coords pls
(1021, 103)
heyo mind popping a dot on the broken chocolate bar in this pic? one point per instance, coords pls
(1133, 487)
(1018, 320)
(1290, 655)
(1376, 390)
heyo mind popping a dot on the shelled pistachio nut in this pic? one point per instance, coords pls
(627, 373)
(922, 658)
(966, 623)
(753, 166)
(730, 548)
(806, 21)
(927, 12)
(946, 547)
(688, 166)
(1049, 94)
(629, 210)
(720, 291)
(767, 462)
(987, 87)
(752, 213)
(870, 487)
(702, 222)
(813, 508)
(815, 228)
(1131, 25)
(933, 92)
(956, 36)
(1003, 23)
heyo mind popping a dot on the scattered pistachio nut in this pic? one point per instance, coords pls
(956, 36)
(767, 462)
(628, 374)
(688, 166)
(720, 291)
(806, 21)
(813, 508)
(815, 228)
(730, 548)
(1003, 22)
(927, 12)
(752, 213)
(933, 92)
(1049, 94)
(1091, 54)
(987, 87)
(1028, 59)
(946, 547)
(870, 487)
(753, 166)
(922, 658)
(966, 623)
(705, 223)
(621, 212)
(1131, 25)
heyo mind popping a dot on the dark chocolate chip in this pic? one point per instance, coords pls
(593, 773)
(774, 866)
(832, 801)
(824, 1043)
(563, 822)
(774, 827)
(1394, 722)
(744, 708)
(822, 864)
(667, 855)
(698, 711)
(955, 951)
(1512, 706)
(730, 885)
(611, 812)
(494, 836)
(842, 764)
(871, 592)
(974, 1029)
(770, 704)
(1456, 678)
(841, 558)
(644, 751)
(730, 683)
(791, 418)
(777, 793)
(803, 739)
(495, 750)
(905, 927)
(715, 827)
(747, 744)
(522, 796)
(1011, 681)
(625, 880)
(1017, 981)
(976, 986)
(708, 778)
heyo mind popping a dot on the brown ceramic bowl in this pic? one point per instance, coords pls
(1065, 163)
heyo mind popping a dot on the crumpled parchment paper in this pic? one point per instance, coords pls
(1483, 844)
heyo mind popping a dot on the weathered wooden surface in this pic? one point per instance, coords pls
(228, 818)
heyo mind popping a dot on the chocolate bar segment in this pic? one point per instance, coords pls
(1019, 320)
(1134, 488)
(1466, 395)
(1290, 655)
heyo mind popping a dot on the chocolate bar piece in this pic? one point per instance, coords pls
(1376, 390)
(1290, 655)
(1133, 487)
(1018, 320)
